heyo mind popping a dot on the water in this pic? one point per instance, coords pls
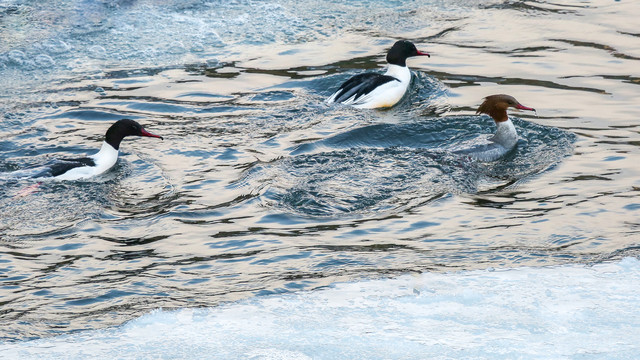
(259, 188)
(525, 313)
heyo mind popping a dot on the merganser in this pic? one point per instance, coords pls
(103, 160)
(505, 137)
(374, 90)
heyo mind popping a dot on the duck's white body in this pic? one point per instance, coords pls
(104, 160)
(375, 90)
(503, 141)
(385, 95)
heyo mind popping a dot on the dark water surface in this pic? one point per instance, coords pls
(260, 188)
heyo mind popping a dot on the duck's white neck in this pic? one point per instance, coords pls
(506, 134)
(401, 73)
(105, 158)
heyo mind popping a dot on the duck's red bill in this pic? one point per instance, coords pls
(522, 107)
(146, 133)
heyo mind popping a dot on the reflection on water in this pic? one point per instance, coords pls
(261, 188)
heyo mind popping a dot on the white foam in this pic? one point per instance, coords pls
(573, 311)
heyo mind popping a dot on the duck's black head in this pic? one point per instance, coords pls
(402, 50)
(125, 127)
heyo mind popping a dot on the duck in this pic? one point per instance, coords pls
(505, 137)
(374, 90)
(98, 163)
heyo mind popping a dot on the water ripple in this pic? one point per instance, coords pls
(381, 167)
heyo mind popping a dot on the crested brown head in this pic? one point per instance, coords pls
(496, 106)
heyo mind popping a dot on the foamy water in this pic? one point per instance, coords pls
(567, 312)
